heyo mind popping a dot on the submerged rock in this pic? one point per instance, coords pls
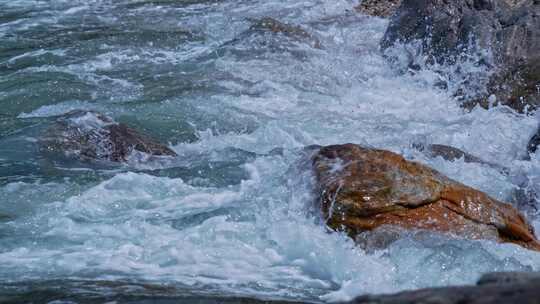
(502, 36)
(293, 31)
(362, 189)
(450, 153)
(447, 152)
(379, 8)
(90, 135)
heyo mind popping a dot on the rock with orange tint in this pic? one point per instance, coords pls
(362, 189)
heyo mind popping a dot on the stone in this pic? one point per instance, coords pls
(361, 189)
(517, 87)
(444, 28)
(509, 278)
(379, 8)
(450, 153)
(90, 135)
(532, 146)
(521, 288)
(524, 196)
(447, 152)
(501, 36)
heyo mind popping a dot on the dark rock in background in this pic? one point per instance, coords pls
(450, 153)
(502, 36)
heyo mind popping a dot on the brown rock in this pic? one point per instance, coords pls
(379, 8)
(362, 189)
(90, 135)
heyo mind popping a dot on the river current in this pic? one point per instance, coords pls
(231, 216)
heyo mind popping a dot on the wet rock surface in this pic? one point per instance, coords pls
(444, 28)
(532, 146)
(491, 288)
(517, 87)
(92, 136)
(524, 196)
(363, 189)
(450, 153)
(501, 36)
(509, 278)
(380, 8)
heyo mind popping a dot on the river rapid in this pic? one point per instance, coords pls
(232, 215)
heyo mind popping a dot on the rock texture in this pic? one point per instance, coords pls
(362, 189)
(450, 153)
(91, 135)
(447, 152)
(524, 196)
(503, 36)
(379, 8)
(494, 288)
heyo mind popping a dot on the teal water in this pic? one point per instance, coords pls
(226, 218)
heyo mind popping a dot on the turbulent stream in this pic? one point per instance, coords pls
(231, 216)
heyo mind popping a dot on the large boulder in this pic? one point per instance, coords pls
(363, 189)
(91, 136)
(501, 36)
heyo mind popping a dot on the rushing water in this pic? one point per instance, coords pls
(226, 217)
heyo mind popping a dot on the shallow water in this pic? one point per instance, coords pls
(226, 217)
